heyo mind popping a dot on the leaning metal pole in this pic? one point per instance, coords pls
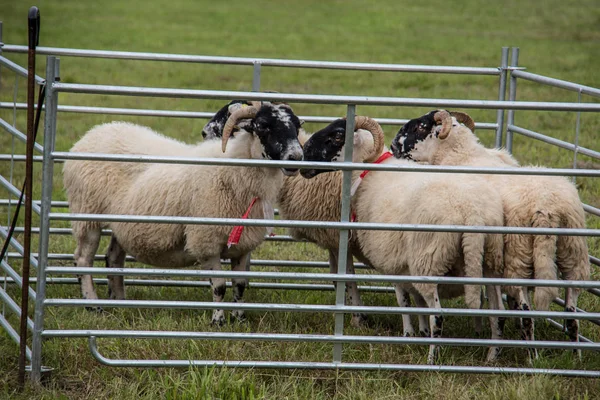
(33, 31)
(47, 176)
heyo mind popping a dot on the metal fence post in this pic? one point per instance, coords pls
(47, 177)
(512, 94)
(340, 288)
(576, 143)
(501, 95)
(256, 76)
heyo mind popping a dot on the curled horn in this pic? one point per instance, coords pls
(242, 113)
(443, 117)
(378, 137)
(465, 119)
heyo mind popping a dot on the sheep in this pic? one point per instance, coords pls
(297, 200)
(538, 201)
(179, 190)
(418, 198)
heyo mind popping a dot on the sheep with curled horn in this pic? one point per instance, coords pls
(419, 198)
(301, 199)
(446, 138)
(179, 190)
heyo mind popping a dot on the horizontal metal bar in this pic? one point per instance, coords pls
(16, 68)
(325, 308)
(270, 62)
(13, 335)
(321, 224)
(351, 339)
(17, 193)
(562, 303)
(207, 115)
(262, 263)
(18, 157)
(17, 246)
(19, 135)
(16, 277)
(14, 307)
(561, 327)
(575, 87)
(322, 99)
(260, 275)
(591, 209)
(343, 166)
(108, 232)
(206, 284)
(553, 141)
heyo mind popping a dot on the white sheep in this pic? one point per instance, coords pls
(318, 199)
(179, 190)
(529, 201)
(419, 198)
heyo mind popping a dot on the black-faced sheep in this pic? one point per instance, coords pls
(529, 201)
(315, 200)
(418, 198)
(179, 190)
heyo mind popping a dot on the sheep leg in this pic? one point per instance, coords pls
(115, 258)
(404, 301)
(478, 321)
(239, 285)
(87, 245)
(424, 330)
(496, 325)
(512, 305)
(432, 299)
(527, 331)
(352, 294)
(572, 325)
(218, 289)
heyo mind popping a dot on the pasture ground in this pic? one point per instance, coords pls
(556, 38)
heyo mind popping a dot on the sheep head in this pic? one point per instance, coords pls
(418, 131)
(214, 128)
(274, 128)
(327, 145)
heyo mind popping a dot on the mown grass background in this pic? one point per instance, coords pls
(557, 38)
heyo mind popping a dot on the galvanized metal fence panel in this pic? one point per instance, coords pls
(46, 272)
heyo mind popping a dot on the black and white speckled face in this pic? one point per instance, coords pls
(214, 128)
(413, 132)
(276, 126)
(326, 145)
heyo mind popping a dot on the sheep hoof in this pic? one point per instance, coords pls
(218, 320)
(239, 316)
(97, 310)
(425, 333)
(359, 321)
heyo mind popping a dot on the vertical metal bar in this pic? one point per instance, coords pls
(340, 290)
(47, 175)
(577, 125)
(256, 77)
(512, 94)
(501, 95)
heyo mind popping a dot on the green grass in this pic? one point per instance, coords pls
(556, 38)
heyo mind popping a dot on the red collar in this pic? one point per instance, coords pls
(381, 159)
(236, 232)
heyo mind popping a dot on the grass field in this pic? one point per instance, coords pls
(556, 38)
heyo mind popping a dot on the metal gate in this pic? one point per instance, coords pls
(50, 274)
